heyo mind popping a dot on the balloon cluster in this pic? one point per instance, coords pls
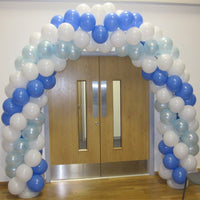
(100, 28)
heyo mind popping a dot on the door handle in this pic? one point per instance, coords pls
(95, 98)
(103, 98)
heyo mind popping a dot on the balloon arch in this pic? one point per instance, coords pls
(104, 29)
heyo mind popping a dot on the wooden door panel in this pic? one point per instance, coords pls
(63, 115)
(134, 111)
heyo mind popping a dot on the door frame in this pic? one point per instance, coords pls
(151, 128)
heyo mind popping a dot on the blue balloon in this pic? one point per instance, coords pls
(111, 22)
(137, 19)
(147, 76)
(151, 47)
(62, 49)
(72, 17)
(100, 34)
(31, 131)
(19, 63)
(164, 149)
(185, 92)
(41, 168)
(48, 82)
(36, 183)
(35, 88)
(126, 20)
(20, 96)
(10, 107)
(30, 54)
(174, 83)
(179, 175)
(170, 161)
(136, 51)
(87, 22)
(159, 77)
(5, 118)
(21, 146)
(180, 126)
(57, 20)
(167, 116)
(191, 101)
(45, 49)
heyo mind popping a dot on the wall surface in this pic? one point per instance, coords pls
(18, 19)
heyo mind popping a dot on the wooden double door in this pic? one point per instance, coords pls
(99, 116)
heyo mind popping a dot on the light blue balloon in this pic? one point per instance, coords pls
(136, 51)
(75, 52)
(190, 138)
(31, 132)
(175, 52)
(11, 171)
(151, 47)
(20, 146)
(160, 106)
(39, 121)
(45, 49)
(62, 49)
(167, 116)
(14, 159)
(180, 126)
(194, 150)
(19, 63)
(30, 54)
(122, 51)
(165, 45)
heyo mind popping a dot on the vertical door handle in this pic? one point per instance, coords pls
(95, 98)
(103, 98)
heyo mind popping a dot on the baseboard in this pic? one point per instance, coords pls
(3, 183)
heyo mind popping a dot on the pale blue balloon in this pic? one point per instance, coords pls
(160, 106)
(31, 132)
(45, 49)
(14, 159)
(62, 49)
(20, 146)
(165, 45)
(180, 126)
(175, 52)
(136, 51)
(122, 51)
(75, 52)
(39, 121)
(190, 138)
(30, 54)
(11, 171)
(167, 116)
(194, 150)
(19, 63)
(151, 47)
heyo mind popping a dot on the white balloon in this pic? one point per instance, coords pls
(162, 128)
(92, 46)
(181, 150)
(10, 135)
(59, 64)
(189, 163)
(65, 32)
(147, 30)
(17, 79)
(177, 68)
(38, 143)
(133, 36)
(9, 89)
(7, 147)
(18, 122)
(31, 111)
(24, 172)
(165, 61)
(118, 12)
(16, 186)
(45, 67)
(118, 38)
(30, 71)
(176, 104)
(153, 87)
(98, 11)
(83, 8)
(164, 172)
(188, 113)
(81, 39)
(35, 39)
(28, 194)
(40, 101)
(137, 63)
(172, 184)
(185, 77)
(32, 158)
(109, 7)
(105, 47)
(149, 64)
(170, 138)
(49, 32)
(163, 95)
(193, 125)
(157, 33)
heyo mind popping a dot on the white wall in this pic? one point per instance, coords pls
(18, 19)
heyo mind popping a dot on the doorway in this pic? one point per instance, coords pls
(99, 119)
